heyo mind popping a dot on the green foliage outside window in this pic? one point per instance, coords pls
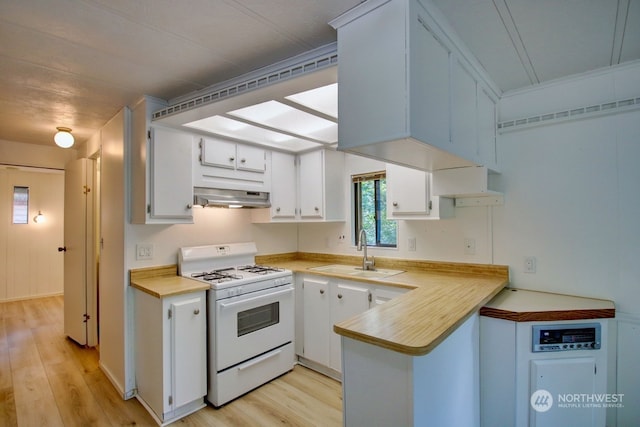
(371, 213)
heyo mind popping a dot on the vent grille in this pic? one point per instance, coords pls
(272, 77)
(573, 114)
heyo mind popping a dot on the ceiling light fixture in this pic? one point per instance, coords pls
(63, 137)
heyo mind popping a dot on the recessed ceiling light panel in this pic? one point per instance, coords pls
(277, 115)
(323, 99)
(239, 130)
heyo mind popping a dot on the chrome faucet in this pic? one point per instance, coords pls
(367, 264)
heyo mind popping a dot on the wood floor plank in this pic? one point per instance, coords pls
(75, 401)
(7, 408)
(118, 411)
(47, 379)
(35, 404)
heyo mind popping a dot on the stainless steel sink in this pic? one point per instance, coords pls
(350, 270)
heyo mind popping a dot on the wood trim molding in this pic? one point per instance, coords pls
(543, 316)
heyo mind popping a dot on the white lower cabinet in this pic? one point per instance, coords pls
(511, 373)
(170, 334)
(347, 300)
(325, 302)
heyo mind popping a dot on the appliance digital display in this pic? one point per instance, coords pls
(566, 337)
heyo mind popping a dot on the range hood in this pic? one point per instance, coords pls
(224, 198)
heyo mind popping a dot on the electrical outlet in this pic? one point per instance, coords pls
(144, 251)
(470, 246)
(529, 264)
(411, 244)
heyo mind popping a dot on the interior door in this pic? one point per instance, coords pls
(75, 249)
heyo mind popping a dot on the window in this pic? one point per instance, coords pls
(20, 205)
(370, 210)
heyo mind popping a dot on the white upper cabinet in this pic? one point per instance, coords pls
(408, 94)
(312, 177)
(409, 195)
(221, 163)
(311, 184)
(407, 192)
(160, 170)
(171, 187)
(284, 186)
(229, 155)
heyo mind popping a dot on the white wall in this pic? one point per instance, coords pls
(440, 240)
(211, 226)
(30, 264)
(41, 156)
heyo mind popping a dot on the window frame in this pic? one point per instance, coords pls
(15, 205)
(380, 207)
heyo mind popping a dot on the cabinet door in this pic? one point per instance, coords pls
(171, 184)
(316, 320)
(566, 376)
(407, 191)
(386, 294)
(463, 111)
(188, 347)
(312, 184)
(250, 158)
(221, 154)
(486, 130)
(346, 302)
(429, 105)
(283, 185)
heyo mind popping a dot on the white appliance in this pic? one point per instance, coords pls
(250, 317)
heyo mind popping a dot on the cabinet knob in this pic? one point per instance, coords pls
(231, 159)
(189, 205)
(339, 296)
(395, 204)
(196, 311)
(243, 160)
(317, 209)
(277, 209)
(321, 291)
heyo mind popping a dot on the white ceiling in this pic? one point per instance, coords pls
(76, 63)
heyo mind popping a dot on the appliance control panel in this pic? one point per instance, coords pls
(566, 337)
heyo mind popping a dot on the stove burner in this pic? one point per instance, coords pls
(217, 276)
(259, 269)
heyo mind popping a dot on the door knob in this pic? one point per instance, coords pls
(62, 249)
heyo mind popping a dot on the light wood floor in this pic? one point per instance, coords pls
(48, 380)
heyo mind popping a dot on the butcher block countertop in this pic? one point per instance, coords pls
(521, 305)
(443, 296)
(163, 281)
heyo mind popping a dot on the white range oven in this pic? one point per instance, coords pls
(250, 317)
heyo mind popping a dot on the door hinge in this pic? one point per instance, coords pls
(170, 400)
(149, 209)
(149, 134)
(169, 314)
(369, 297)
(430, 205)
(85, 190)
(86, 317)
(200, 143)
(595, 369)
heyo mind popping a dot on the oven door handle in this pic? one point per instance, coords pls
(244, 301)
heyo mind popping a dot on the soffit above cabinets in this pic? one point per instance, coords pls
(292, 106)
